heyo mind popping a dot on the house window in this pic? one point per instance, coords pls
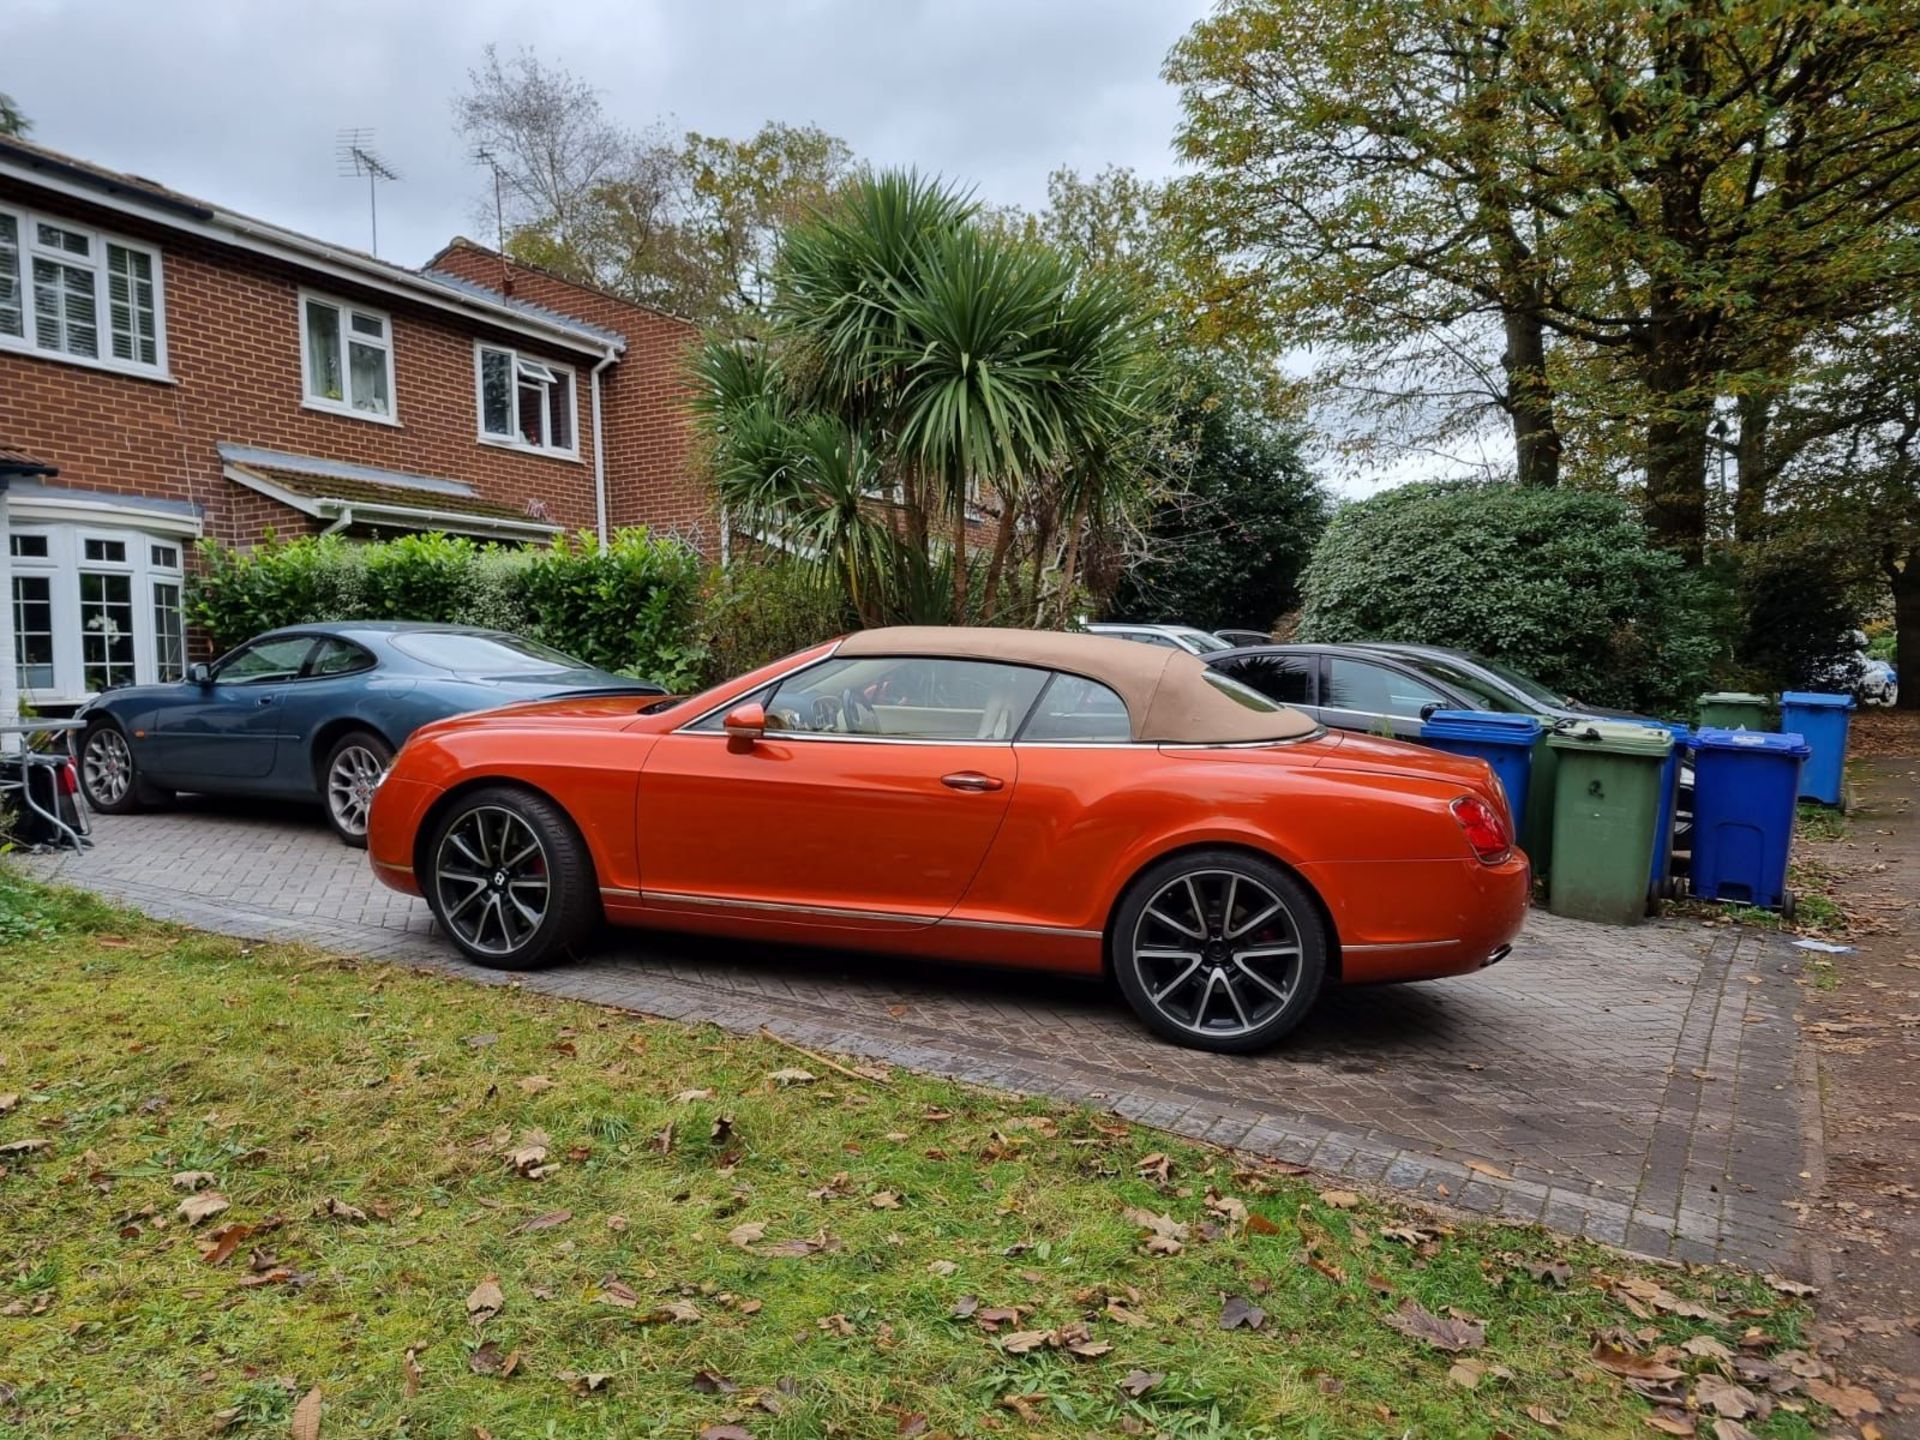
(77, 294)
(95, 605)
(525, 401)
(33, 630)
(346, 358)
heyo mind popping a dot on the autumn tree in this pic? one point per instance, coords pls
(1627, 212)
(13, 120)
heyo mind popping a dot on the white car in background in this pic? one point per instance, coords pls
(1879, 683)
(1169, 637)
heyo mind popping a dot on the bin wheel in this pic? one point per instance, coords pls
(1789, 905)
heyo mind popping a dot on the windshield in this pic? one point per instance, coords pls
(1200, 642)
(1475, 687)
(1524, 683)
(483, 654)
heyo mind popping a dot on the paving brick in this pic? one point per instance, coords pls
(1568, 1068)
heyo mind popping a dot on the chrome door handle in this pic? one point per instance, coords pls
(972, 781)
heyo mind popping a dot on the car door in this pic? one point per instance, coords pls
(331, 684)
(224, 734)
(872, 797)
(1380, 699)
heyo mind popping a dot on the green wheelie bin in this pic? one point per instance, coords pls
(1605, 816)
(1733, 710)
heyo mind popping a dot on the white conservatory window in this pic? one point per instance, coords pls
(94, 607)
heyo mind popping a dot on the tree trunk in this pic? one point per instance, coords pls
(1753, 466)
(1906, 628)
(1679, 413)
(1536, 434)
(960, 561)
(997, 566)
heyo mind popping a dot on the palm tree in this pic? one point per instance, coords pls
(923, 362)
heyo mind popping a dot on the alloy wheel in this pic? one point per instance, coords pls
(1217, 952)
(494, 880)
(351, 781)
(107, 766)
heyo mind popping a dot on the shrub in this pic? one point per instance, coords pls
(750, 614)
(1801, 600)
(238, 593)
(1561, 583)
(629, 609)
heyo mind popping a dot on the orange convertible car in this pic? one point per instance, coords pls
(1002, 796)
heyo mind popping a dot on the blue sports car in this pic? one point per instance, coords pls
(312, 712)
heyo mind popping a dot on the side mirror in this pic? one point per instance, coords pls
(199, 675)
(746, 724)
(1427, 710)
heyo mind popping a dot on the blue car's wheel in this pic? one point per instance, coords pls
(109, 774)
(352, 773)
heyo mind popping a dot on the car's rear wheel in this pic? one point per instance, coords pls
(110, 776)
(1220, 950)
(351, 775)
(510, 880)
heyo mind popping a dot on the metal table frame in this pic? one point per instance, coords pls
(44, 745)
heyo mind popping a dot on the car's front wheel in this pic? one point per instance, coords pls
(510, 879)
(1220, 950)
(352, 773)
(110, 776)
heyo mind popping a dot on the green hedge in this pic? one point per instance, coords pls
(645, 607)
(1563, 584)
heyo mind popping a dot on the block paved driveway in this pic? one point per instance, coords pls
(1645, 1087)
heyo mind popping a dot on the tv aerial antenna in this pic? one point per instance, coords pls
(483, 155)
(356, 157)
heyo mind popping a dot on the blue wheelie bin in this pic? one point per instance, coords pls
(1504, 741)
(1746, 787)
(1822, 719)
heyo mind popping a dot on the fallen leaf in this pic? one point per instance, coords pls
(8, 1101)
(1671, 1422)
(1481, 1167)
(534, 1084)
(1734, 1430)
(885, 1200)
(410, 1375)
(1258, 1224)
(306, 1416)
(587, 1384)
(547, 1221)
(1791, 1287)
(1022, 1341)
(726, 1432)
(687, 1097)
(1166, 1235)
(711, 1382)
(1707, 1348)
(1443, 1332)
(748, 1235)
(530, 1155)
(616, 1223)
(486, 1301)
(791, 1076)
(223, 1242)
(1723, 1397)
(1849, 1402)
(1465, 1373)
(1554, 1272)
(196, 1209)
(616, 1292)
(487, 1359)
(339, 1210)
(192, 1179)
(1241, 1313)
(1121, 1315)
(941, 1267)
(1632, 1365)
(912, 1424)
(1138, 1382)
(1540, 1415)
(1339, 1199)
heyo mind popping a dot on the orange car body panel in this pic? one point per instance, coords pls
(858, 842)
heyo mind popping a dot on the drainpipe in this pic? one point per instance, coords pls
(340, 521)
(599, 453)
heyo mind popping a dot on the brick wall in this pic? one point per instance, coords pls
(650, 480)
(233, 343)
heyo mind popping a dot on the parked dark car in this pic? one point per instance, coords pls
(1387, 689)
(313, 712)
(1245, 637)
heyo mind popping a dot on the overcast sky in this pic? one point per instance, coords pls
(240, 103)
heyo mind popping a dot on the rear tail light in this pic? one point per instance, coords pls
(1485, 828)
(69, 780)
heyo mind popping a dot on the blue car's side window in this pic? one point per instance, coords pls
(338, 657)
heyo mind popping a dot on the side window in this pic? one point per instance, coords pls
(1075, 708)
(1285, 678)
(338, 657)
(265, 661)
(1377, 690)
(906, 697)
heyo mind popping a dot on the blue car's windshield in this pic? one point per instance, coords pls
(483, 654)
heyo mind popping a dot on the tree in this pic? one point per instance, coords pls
(1561, 583)
(688, 224)
(13, 120)
(1226, 540)
(1622, 211)
(917, 369)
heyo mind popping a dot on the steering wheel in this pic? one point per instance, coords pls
(826, 714)
(856, 715)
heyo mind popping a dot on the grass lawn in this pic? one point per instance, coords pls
(440, 1210)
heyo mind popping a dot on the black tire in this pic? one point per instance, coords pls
(347, 777)
(109, 775)
(1223, 1001)
(470, 870)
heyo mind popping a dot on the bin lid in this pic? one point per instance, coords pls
(1481, 725)
(1817, 700)
(1615, 737)
(1733, 697)
(1757, 741)
(1680, 733)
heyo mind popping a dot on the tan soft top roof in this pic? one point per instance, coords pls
(1166, 691)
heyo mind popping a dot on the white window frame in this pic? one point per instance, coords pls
(347, 309)
(95, 263)
(517, 440)
(63, 564)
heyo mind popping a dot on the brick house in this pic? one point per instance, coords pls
(170, 369)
